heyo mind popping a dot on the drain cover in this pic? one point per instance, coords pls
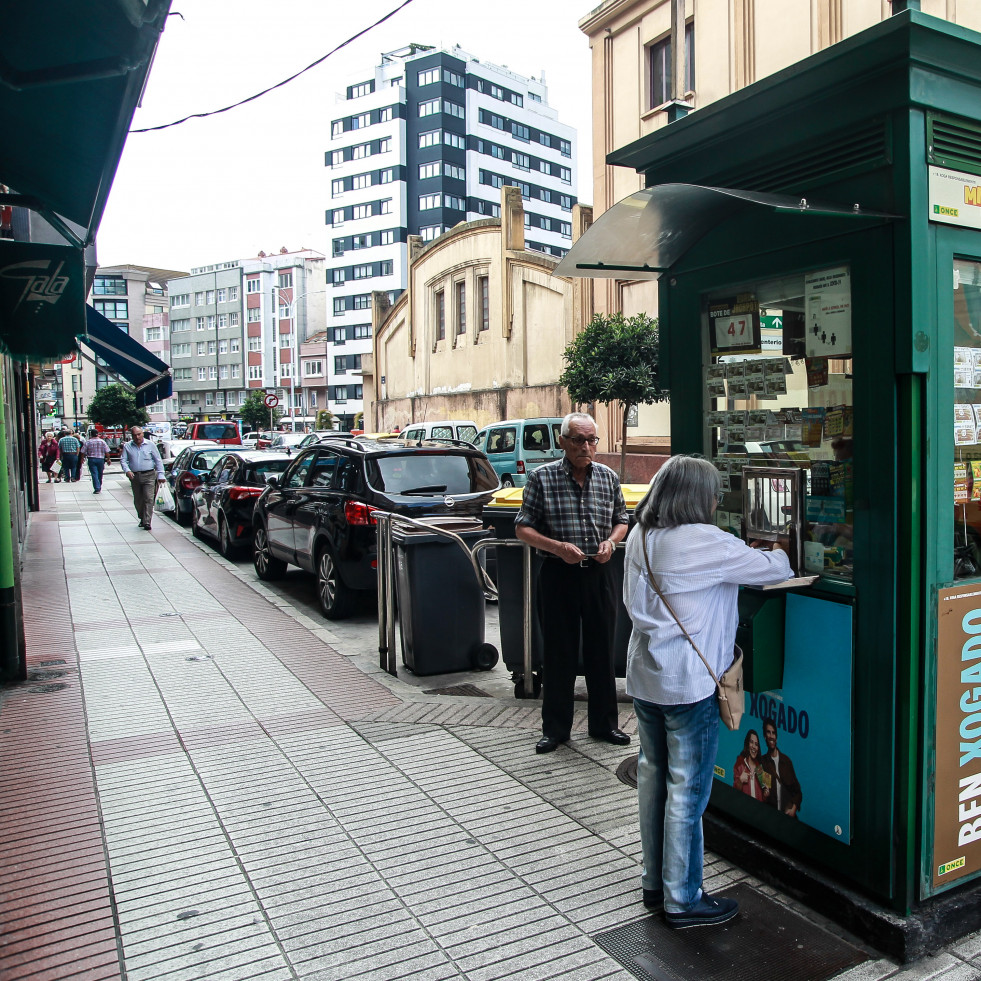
(41, 689)
(765, 942)
(465, 689)
(47, 664)
(627, 771)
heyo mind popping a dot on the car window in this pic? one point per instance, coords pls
(414, 434)
(439, 473)
(501, 440)
(535, 437)
(213, 474)
(204, 459)
(216, 430)
(556, 433)
(323, 470)
(297, 477)
(348, 476)
(257, 472)
(469, 433)
(442, 432)
(181, 459)
(311, 438)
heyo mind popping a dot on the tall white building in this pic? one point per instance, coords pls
(424, 142)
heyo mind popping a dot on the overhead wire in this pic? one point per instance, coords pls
(278, 85)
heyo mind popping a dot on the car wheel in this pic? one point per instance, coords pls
(507, 480)
(195, 530)
(267, 566)
(226, 546)
(336, 599)
(484, 657)
(183, 518)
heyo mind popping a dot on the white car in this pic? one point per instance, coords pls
(286, 442)
(170, 449)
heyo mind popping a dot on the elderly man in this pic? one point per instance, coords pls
(144, 469)
(573, 511)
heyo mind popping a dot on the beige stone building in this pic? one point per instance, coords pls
(479, 331)
(729, 44)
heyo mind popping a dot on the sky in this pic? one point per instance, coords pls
(253, 178)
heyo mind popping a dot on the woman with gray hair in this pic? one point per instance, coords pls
(698, 568)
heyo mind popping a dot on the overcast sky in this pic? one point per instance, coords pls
(251, 179)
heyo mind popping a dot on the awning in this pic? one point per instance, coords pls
(647, 232)
(71, 75)
(148, 375)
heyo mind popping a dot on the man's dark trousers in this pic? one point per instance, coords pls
(574, 597)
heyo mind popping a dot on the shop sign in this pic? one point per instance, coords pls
(957, 776)
(954, 197)
(734, 324)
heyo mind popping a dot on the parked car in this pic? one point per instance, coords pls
(263, 440)
(222, 503)
(250, 439)
(515, 447)
(192, 463)
(318, 515)
(322, 434)
(286, 442)
(221, 432)
(463, 429)
(170, 449)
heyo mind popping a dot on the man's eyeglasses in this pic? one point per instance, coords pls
(582, 440)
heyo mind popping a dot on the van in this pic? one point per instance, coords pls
(216, 432)
(515, 447)
(464, 429)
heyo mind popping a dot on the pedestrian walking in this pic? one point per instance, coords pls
(69, 445)
(96, 449)
(48, 452)
(698, 568)
(573, 511)
(143, 467)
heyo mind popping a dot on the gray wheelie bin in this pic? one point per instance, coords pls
(440, 601)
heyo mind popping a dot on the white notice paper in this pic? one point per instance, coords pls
(828, 313)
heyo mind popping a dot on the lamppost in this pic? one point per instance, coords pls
(290, 304)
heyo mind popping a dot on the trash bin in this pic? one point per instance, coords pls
(499, 515)
(440, 601)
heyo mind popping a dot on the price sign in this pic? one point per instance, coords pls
(734, 325)
(271, 401)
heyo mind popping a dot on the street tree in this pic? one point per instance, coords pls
(255, 413)
(324, 420)
(615, 359)
(114, 407)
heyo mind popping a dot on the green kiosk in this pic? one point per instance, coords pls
(817, 238)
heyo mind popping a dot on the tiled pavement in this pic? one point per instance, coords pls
(195, 785)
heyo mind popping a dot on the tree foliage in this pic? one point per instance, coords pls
(254, 412)
(615, 359)
(324, 420)
(114, 407)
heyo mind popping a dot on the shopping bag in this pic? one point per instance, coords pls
(165, 499)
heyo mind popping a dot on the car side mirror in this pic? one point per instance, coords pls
(272, 480)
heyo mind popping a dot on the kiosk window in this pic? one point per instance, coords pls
(967, 418)
(777, 381)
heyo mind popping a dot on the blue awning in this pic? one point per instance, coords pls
(129, 359)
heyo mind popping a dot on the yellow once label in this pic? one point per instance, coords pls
(939, 209)
(720, 771)
(958, 863)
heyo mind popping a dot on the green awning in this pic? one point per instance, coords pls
(71, 75)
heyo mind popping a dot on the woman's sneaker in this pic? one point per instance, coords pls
(708, 911)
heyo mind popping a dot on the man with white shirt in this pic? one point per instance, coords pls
(785, 793)
(143, 467)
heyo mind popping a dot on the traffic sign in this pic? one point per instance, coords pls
(271, 401)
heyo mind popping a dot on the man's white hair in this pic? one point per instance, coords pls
(580, 417)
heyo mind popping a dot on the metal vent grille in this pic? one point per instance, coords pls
(860, 150)
(954, 143)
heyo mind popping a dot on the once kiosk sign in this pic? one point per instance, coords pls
(957, 796)
(955, 197)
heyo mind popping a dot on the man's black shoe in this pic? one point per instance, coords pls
(548, 744)
(654, 899)
(708, 911)
(614, 736)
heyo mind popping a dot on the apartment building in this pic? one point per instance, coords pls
(237, 326)
(420, 143)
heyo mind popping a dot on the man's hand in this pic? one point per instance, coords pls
(568, 553)
(605, 552)
(129, 475)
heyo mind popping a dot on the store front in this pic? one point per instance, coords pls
(812, 323)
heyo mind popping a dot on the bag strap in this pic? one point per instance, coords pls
(664, 600)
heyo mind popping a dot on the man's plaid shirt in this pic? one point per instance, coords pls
(556, 506)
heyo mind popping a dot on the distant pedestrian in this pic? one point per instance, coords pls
(96, 449)
(69, 446)
(143, 467)
(48, 452)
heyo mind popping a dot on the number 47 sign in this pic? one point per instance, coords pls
(734, 325)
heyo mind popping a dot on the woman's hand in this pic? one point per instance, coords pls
(744, 777)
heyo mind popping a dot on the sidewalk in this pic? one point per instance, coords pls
(197, 785)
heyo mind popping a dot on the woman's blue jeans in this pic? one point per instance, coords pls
(678, 745)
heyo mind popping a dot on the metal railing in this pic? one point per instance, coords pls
(386, 585)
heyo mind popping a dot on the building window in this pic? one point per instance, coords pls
(453, 109)
(199, 323)
(222, 320)
(565, 229)
(461, 307)
(255, 343)
(517, 100)
(520, 132)
(361, 121)
(181, 300)
(285, 340)
(255, 372)
(386, 237)
(452, 201)
(385, 145)
(497, 151)
(565, 148)
(202, 374)
(453, 78)
(254, 315)
(362, 272)
(336, 188)
(361, 211)
(340, 364)
(357, 91)
(361, 151)
(521, 160)
(440, 316)
(222, 295)
(338, 335)
(385, 207)
(360, 181)
(232, 293)
(385, 268)
(385, 115)
(211, 297)
(312, 399)
(223, 347)
(337, 128)
(362, 331)
(339, 276)
(285, 280)
(212, 372)
(179, 351)
(428, 232)
(428, 77)
(361, 241)
(659, 59)
(565, 202)
(153, 334)
(427, 170)
(386, 176)
(429, 108)
(429, 138)
(252, 285)
(338, 247)
(452, 170)
(483, 291)
(337, 158)
(362, 301)
(235, 345)
(429, 201)
(112, 309)
(455, 140)
(211, 347)
(565, 175)
(340, 393)
(497, 92)
(313, 367)
(199, 299)
(209, 398)
(109, 286)
(233, 320)
(223, 371)
(176, 326)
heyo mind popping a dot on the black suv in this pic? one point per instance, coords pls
(318, 514)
